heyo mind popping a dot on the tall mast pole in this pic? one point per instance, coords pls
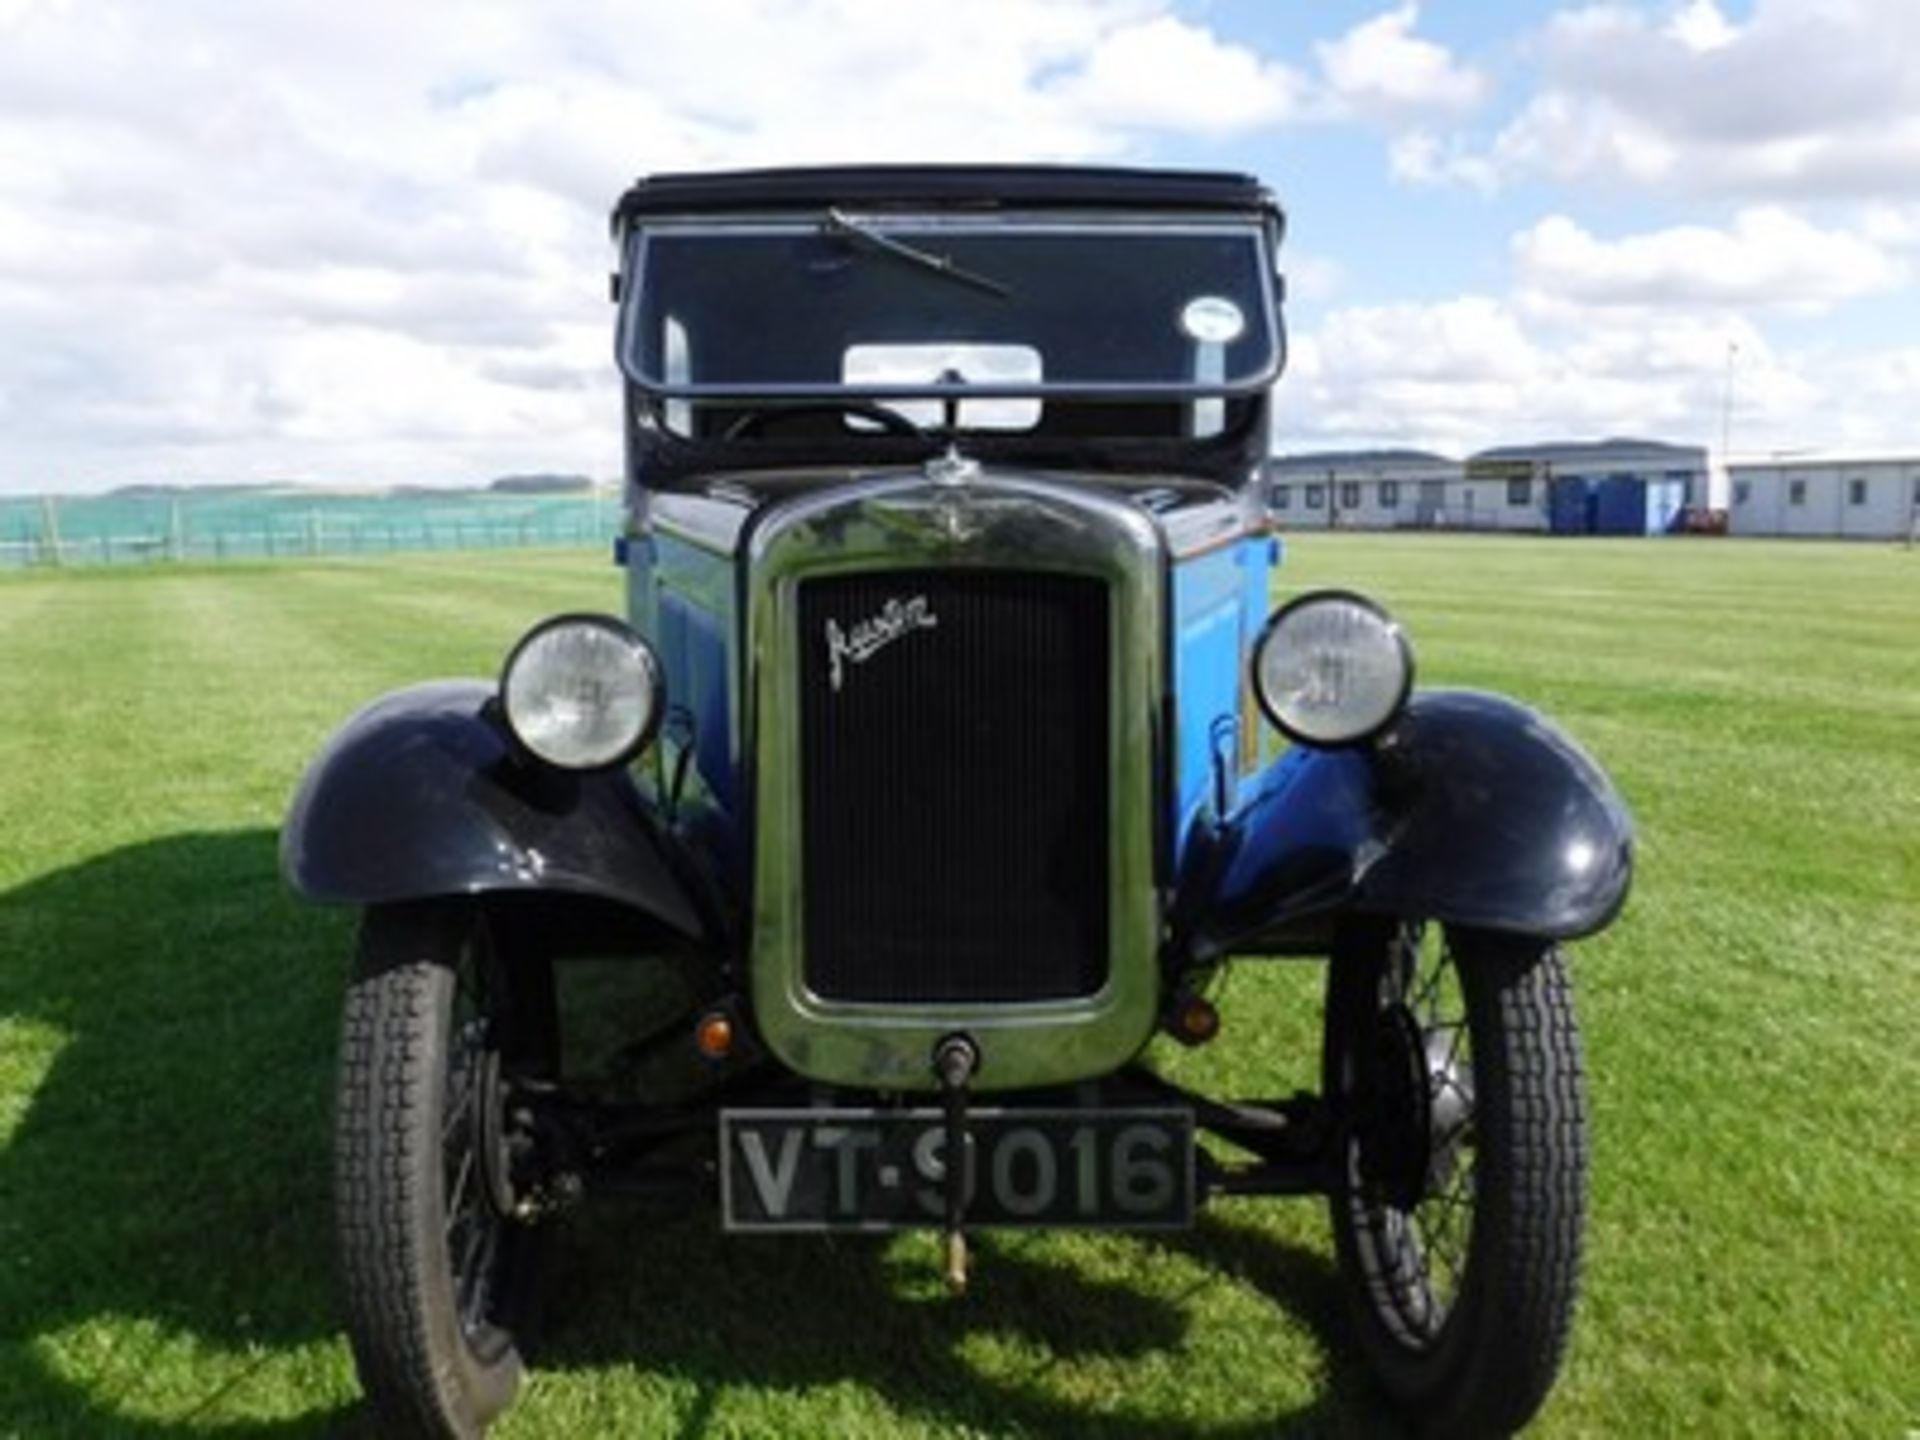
(1726, 406)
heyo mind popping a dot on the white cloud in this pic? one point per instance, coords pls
(1895, 227)
(1167, 74)
(372, 244)
(1381, 68)
(1769, 258)
(1701, 25)
(1477, 370)
(1803, 98)
(1461, 342)
(1423, 158)
(1890, 375)
(1312, 277)
(318, 239)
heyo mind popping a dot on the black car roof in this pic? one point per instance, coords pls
(966, 186)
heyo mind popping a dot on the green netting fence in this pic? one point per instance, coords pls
(144, 529)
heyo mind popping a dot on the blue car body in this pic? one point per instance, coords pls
(1153, 822)
(948, 771)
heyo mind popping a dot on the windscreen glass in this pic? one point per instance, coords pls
(892, 306)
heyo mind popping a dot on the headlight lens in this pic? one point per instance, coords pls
(1331, 668)
(582, 692)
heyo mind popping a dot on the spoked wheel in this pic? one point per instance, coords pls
(437, 1255)
(1455, 1058)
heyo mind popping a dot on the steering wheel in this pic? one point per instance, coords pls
(889, 420)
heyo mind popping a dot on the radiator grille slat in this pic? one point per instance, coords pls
(954, 786)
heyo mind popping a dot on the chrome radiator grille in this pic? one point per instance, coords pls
(954, 787)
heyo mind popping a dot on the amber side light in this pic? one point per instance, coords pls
(713, 1036)
(1197, 1021)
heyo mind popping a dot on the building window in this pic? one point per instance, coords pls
(1742, 491)
(1856, 492)
(1389, 493)
(1349, 494)
(1796, 492)
(1316, 496)
(1519, 492)
(1282, 496)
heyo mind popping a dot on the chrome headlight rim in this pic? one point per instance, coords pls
(636, 648)
(1393, 629)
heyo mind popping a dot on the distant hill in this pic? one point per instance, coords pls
(541, 485)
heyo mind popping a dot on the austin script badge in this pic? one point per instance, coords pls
(868, 637)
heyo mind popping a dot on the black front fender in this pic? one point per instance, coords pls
(422, 794)
(1471, 810)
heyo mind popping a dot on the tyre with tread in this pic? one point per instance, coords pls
(436, 1276)
(1455, 1056)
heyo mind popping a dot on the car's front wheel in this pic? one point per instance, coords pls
(439, 1026)
(1454, 1058)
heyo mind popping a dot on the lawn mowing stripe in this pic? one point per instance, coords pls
(424, 623)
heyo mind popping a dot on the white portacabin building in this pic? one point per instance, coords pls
(1618, 486)
(1361, 489)
(1826, 496)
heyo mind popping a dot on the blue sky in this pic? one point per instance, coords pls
(354, 244)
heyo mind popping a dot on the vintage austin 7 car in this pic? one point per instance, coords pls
(933, 762)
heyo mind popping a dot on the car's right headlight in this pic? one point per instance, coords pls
(1332, 668)
(582, 692)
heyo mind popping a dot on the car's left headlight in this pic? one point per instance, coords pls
(1332, 668)
(582, 692)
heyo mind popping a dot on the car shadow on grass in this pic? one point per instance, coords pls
(729, 1314)
(170, 1018)
(171, 1015)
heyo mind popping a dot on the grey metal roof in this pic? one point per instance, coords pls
(1824, 460)
(1364, 457)
(1592, 449)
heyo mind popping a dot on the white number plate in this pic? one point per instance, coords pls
(886, 1169)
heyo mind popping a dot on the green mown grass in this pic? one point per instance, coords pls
(167, 1020)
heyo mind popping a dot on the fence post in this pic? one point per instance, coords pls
(50, 530)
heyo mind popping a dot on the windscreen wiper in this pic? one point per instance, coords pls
(838, 222)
